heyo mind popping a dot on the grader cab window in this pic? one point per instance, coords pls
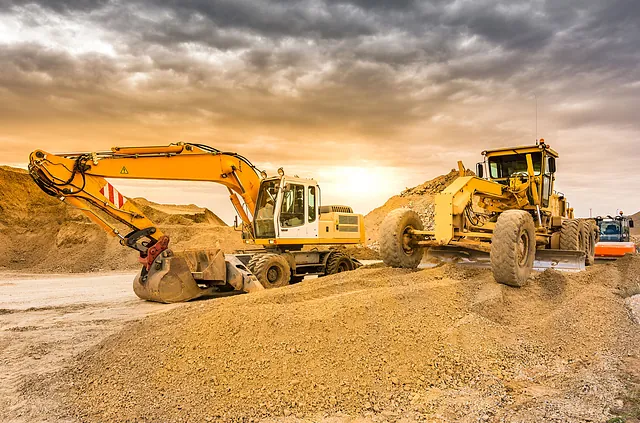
(503, 167)
(292, 213)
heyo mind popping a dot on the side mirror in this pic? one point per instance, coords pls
(552, 165)
(480, 170)
(630, 223)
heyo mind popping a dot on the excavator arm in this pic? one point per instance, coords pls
(80, 179)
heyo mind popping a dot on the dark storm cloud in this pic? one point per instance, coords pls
(370, 67)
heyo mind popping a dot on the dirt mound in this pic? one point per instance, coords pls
(38, 233)
(169, 214)
(445, 344)
(420, 199)
(636, 228)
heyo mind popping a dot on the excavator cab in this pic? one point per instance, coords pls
(287, 209)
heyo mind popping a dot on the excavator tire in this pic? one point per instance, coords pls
(296, 279)
(338, 263)
(513, 248)
(572, 235)
(589, 236)
(272, 270)
(395, 247)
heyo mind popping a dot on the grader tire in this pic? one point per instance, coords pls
(338, 263)
(589, 235)
(272, 270)
(394, 238)
(571, 235)
(513, 248)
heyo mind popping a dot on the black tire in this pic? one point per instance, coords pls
(395, 243)
(513, 248)
(272, 270)
(590, 235)
(296, 279)
(571, 235)
(338, 263)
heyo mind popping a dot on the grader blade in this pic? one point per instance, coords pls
(189, 275)
(457, 255)
(562, 260)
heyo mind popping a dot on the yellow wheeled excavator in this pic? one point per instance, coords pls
(512, 220)
(281, 213)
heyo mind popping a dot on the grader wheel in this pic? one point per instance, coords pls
(396, 247)
(589, 235)
(513, 248)
(571, 235)
(272, 270)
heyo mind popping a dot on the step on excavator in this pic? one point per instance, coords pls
(615, 237)
(512, 220)
(279, 214)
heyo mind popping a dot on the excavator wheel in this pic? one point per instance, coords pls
(272, 270)
(337, 263)
(396, 247)
(513, 248)
(572, 235)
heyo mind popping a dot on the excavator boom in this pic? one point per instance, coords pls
(80, 180)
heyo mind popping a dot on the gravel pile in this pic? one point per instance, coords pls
(420, 198)
(377, 344)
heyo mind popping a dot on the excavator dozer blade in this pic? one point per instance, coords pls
(563, 260)
(188, 275)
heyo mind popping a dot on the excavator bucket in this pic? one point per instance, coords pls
(563, 260)
(184, 276)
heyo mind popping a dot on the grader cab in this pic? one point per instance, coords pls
(507, 217)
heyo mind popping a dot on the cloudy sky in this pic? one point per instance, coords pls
(368, 97)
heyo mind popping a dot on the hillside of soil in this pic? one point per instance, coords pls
(38, 233)
(420, 198)
(636, 220)
(378, 344)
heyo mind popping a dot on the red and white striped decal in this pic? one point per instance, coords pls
(112, 195)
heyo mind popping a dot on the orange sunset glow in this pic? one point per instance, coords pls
(366, 97)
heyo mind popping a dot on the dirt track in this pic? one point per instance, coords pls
(377, 344)
(46, 322)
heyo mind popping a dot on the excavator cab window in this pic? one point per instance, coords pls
(312, 204)
(265, 227)
(504, 167)
(292, 212)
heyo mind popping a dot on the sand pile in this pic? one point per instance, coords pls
(444, 344)
(38, 233)
(420, 199)
(636, 220)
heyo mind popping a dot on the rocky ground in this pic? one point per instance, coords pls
(377, 344)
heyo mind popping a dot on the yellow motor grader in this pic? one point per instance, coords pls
(280, 213)
(511, 220)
